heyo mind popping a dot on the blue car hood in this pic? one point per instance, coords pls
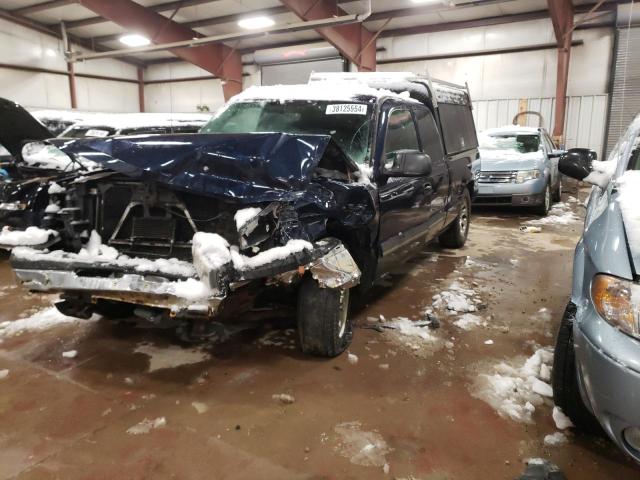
(259, 166)
(500, 160)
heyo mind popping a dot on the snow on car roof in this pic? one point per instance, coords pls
(140, 120)
(517, 129)
(319, 90)
(62, 115)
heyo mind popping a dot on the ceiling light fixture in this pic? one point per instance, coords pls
(253, 23)
(427, 1)
(134, 40)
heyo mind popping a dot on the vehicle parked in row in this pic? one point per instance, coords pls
(111, 124)
(596, 373)
(311, 189)
(29, 171)
(517, 166)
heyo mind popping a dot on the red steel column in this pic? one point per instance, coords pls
(353, 41)
(561, 12)
(141, 89)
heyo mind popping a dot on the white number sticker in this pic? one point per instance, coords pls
(94, 132)
(346, 109)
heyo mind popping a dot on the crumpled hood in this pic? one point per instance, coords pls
(505, 160)
(260, 166)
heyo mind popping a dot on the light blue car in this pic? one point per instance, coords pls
(517, 166)
(596, 373)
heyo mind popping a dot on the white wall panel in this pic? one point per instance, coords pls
(106, 96)
(183, 96)
(22, 46)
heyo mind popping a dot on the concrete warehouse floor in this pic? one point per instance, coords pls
(409, 402)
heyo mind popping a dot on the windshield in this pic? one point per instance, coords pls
(521, 143)
(347, 123)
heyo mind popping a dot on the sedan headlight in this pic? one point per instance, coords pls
(617, 301)
(525, 175)
(13, 206)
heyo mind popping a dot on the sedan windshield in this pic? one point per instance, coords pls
(348, 124)
(521, 143)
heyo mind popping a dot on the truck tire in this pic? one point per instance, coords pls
(557, 192)
(455, 236)
(324, 326)
(545, 206)
(566, 392)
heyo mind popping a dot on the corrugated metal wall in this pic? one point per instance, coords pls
(625, 101)
(585, 119)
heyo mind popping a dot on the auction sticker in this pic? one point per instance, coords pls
(346, 109)
(94, 132)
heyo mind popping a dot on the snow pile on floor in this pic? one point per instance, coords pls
(70, 354)
(30, 236)
(411, 330)
(515, 391)
(629, 199)
(560, 214)
(468, 321)
(561, 420)
(42, 320)
(171, 356)
(4, 374)
(555, 439)
(244, 215)
(146, 425)
(458, 299)
(361, 447)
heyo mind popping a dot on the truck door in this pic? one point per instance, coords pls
(404, 200)
(431, 144)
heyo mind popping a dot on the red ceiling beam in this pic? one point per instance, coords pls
(561, 13)
(218, 59)
(354, 41)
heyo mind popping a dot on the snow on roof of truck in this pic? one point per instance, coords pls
(418, 84)
(141, 120)
(507, 129)
(320, 91)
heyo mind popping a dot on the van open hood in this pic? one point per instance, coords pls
(17, 126)
(260, 166)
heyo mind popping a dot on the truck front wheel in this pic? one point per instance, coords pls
(324, 326)
(455, 236)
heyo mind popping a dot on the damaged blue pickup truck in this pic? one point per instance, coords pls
(310, 190)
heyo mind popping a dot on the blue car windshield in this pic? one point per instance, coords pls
(521, 143)
(347, 123)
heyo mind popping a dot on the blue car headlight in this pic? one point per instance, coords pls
(526, 175)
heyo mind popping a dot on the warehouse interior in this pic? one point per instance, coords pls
(451, 368)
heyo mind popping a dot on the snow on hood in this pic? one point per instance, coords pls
(497, 160)
(629, 201)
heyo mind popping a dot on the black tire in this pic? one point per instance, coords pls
(324, 326)
(566, 392)
(545, 206)
(455, 236)
(557, 192)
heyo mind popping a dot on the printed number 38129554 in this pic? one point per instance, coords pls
(346, 109)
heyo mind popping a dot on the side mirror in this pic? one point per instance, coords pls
(577, 163)
(409, 163)
(556, 153)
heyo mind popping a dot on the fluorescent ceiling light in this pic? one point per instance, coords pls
(253, 23)
(426, 1)
(134, 40)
